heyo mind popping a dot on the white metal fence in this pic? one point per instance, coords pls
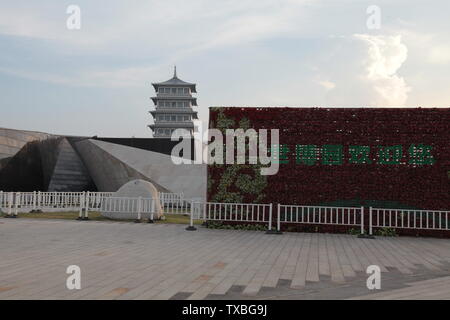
(232, 212)
(137, 208)
(14, 202)
(366, 221)
(321, 215)
(128, 208)
(171, 197)
(174, 203)
(6, 201)
(408, 219)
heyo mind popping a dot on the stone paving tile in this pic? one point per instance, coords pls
(422, 290)
(157, 261)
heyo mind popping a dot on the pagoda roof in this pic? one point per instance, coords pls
(172, 125)
(175, 81)
(174, 111)
(194, 100)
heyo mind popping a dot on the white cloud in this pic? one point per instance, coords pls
(439, 55)
(196, 23)
(385, 56)
(171, 31)
(328, 85)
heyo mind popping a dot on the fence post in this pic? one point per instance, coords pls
(279, 219)
(34, 200)
(38, 200)
(86, 206)
(191, 220)
(363, 233)
(152, 210)
(362, 220)
(270, 218)
(138, 220)
(16, 204)
(278, 228)
(269, 231)
(10, 201)
(205, 206)
(81, 201)
(163, 204)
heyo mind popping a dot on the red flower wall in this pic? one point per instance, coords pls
(422, 187)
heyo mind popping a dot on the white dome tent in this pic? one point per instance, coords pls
(137, 199)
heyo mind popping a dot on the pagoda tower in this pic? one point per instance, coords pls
(173, 107)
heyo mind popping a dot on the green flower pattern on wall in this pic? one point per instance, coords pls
(244, 178)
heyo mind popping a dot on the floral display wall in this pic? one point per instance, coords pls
(391, 157)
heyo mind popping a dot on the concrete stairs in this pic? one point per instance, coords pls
(69, 173)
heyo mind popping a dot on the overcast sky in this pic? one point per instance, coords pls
(97, 80)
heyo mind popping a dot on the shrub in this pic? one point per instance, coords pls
(354, 231)
(220, 225)
(386, 232)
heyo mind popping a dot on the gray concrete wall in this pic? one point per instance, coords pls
(11, 140)
(107, 172)
(111, 165)
(24, 171)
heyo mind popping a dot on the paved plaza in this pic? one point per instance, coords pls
(163, 261)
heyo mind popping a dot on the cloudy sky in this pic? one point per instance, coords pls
(97, 80)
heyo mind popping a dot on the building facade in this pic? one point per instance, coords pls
(173, 107)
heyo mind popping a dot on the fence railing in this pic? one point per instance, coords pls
(408, 219)
(128, 208)
(232, 212)
(51, 200)
(174, 205)
(171, 197)
(366, 221)
(15, 202)
(345, 216)
(137, 208)
(7, 201)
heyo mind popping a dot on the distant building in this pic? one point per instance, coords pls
(173, 107)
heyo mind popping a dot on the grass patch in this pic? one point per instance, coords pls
(96, 216)
(178, 218)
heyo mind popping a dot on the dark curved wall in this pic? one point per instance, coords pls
(24, 171)
(47, 165)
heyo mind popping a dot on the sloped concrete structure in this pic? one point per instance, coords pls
(45, 165)
(11, 140)
(112, 165)
(69, 173)
(107, 172)
(59, 163)
(49, 151)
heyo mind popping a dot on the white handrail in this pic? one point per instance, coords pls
(410, 219)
